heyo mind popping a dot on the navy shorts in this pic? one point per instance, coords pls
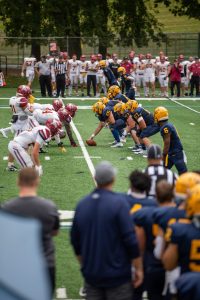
(178, 160)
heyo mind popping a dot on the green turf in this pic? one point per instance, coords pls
(66, 179)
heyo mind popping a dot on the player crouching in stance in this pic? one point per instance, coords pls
(37, 136)
(173, 153)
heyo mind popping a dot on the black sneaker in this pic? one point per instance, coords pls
(12, 168)
(82, 292)
(42, 151)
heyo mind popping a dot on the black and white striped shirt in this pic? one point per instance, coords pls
(157, 173)
(60, 67)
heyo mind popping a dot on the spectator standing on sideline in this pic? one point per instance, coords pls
(175, 78)
(43, 69)
(156, 169)
(104, 241)
(91, 69)
(60, 69)
(114, 65)
(194, 69)
(29, 205)
(127, 65)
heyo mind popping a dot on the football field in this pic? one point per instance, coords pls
(68, 176)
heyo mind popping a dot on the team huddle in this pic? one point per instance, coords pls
(132, 74)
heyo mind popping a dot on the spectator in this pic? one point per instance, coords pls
(195, 70)
(127, 65)
(28, 204)
(60, 69)
(91, 69)
(43, 69)
(156, 170)
(104, 241)
(175, 78)
(2, 79)
(114, 65)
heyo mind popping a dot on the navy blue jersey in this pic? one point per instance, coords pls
(105, 114)
(188, 286)
(127, 82)
(114, 67)
(166, 215)
(122, 98)
(138, 203)
(145, 114)
(110, 76)
(175, 143)
(144, 218)
(187, 237)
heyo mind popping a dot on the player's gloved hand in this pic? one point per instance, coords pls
(22, 74)
(73, 144)
(39, 170)
(62, 148)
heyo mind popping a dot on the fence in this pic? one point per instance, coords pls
(16, 48)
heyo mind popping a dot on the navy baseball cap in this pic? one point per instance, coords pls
(154, 152)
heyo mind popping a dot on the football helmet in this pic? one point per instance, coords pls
(161, 114)
(109, 96)
(102, 64)
(71, 108)
(114, 90)
(192, 206)
(131, 105)
(54, 126)
(57, 104)
(24, 90)
(98, 108)
(121, 70)
(104, 100)
(120, 108)
(64, 115)
(22, 102)
(185, 182)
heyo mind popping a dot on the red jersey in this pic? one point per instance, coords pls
(195, 69)
(175, 74)
(128, 66)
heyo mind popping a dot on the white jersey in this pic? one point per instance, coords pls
(74, 67)
(29, 63)
(149, 66)
(162, 68)
(16, 109)
(140, 65)
(35, 106)
(183, 65)
(92, 67)
(82, 67)
(99, 71)
(43, 115)
(40, 135)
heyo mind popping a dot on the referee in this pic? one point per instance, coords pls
(60, 69)
(156, 170)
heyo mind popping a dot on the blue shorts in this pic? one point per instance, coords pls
(178, 160)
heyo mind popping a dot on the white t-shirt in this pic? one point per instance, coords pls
(92, 67)
(74, 66)
(40, 135)
(82, 67)
(29, 63)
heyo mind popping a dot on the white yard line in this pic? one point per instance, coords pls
(61, 293)
(90, 157)
(185, 106)
(84, 150)
(92, 99)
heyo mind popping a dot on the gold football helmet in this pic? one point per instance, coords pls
(114, 90)
(120, 108)
(104, 100)
(186, 182)
(161, 114)
(131, 105)
(121, 70)
(102, 64)
(98, 108)
(193, 202)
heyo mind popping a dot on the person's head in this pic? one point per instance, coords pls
(99, 57)
(74, 57)
(125, 59)
(114, 57)
(181, 57)
(161, 53)
(191, 59)
(164, 192)
(154, 155)
(83, 58)
(162, 59)
(105, 175)
(93, 58)
(148, 56)
(43, 58)
(196, 59)
(131, 54)
(140, 182)
(60, 58)
(28, 181)
(141, 56)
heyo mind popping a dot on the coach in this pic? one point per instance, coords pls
(43, 69)
(175, 78)
(104, 241)
(195, 79)
(29, 205)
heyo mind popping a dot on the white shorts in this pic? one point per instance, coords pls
(101, 80)
(73, 79)
(30, 76)
(20, 154)
(185, 81)
(83, 78)
(21, 126)
(149, 77)
(139, 80)
(163, 82)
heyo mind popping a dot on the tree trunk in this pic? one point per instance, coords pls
(36, 30)
(35, 49)
(74, 45)
(104, 35)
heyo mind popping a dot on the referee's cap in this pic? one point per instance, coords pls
(154, 152)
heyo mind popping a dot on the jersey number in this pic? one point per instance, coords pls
(195, 255)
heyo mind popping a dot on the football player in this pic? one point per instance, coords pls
(184, 237)
(184, 79)
(145, 126)
(128, 81)
(82, 73)
(114, 93)
(57, 104)
(28, 67)
(73, 74)
(108, 73)
(188, 286)
(173, 153)
(139, 71)
(101, 79)
(163, 71)
(149, 75)
(38, 136)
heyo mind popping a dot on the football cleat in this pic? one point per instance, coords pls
(3, 133)
(117, 145)
(12, 168)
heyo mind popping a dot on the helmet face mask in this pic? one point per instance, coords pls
(57, 104)
(120, 108)
(54, 126)
(24, 90)
(132, 105)
(104, 100)
(71, 108)
(114, 90)
(98, 108)
(64, 115)
(121, 70)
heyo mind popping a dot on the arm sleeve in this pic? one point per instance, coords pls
(127, 231)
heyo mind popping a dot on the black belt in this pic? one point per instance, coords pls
(60, 74)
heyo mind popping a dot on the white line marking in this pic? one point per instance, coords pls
(129, 158)
(47, 158)
(84, 150)
(61, 293)
(90, 157)
(192, 124)
(92, 99)
(66, 214)
(5, 158)
(84, 107)
(181, 104)
(79, 124)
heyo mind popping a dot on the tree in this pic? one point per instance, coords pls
(190, 8)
